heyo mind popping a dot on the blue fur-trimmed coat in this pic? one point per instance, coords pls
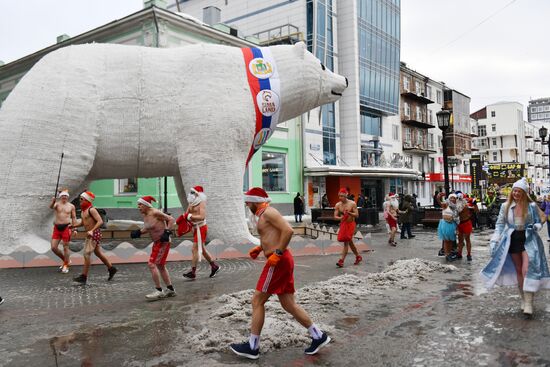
(500, 270)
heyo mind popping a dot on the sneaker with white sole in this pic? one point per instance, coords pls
(65, 269)
(317, 344)
(155, 296)
(244, 350)
(1, 300)
(168, 293)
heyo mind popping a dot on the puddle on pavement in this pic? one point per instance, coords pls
(94, 347)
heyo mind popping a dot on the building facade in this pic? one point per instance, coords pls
(348, 143)
(538, 112)
(505, 138)
(277, 165)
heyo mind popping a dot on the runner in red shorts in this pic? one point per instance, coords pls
(65, 218)
(196, 215)
(277, 276)
(465, 227)
(346, 211)
(158, 225)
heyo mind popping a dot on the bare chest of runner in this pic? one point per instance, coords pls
(270, 237)
(155, 226)
(87, 220)
(63, 213)
(347, 207)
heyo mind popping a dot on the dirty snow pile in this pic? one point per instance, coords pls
(230, 322)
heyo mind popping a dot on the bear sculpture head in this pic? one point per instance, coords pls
(305, 82)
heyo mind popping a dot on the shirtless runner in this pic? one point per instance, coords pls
(91, 220)
(65, 217)
(277, 276)
(196, 215)
(346, 212)
(158, 225)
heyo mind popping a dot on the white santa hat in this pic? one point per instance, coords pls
(256, 195)
(522, 184)
(63, 193)
(147, 201)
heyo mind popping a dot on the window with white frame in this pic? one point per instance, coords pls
(439, 97)
(494, 142)
(395, 132)
(547, 108)
(493, 114)
(430, 141)
(408, 134)
(428, 92)
(418, 113)
(418, 87)
(126, 186)
(533, 109)
(274, 171)
(495, 156)
(481, 130)
(539, 109)
(430, 116)
(407, 109)
(406, 83)
(493, 127)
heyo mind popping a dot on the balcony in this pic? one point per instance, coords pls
(416, 96)
(418, 148)
(287, 34)
(528, 134)
(529, 149)
(416, 120)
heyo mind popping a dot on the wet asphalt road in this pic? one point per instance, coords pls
(448, 320)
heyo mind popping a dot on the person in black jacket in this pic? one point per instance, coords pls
(298, 208)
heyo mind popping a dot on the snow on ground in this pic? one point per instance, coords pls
(230, 318)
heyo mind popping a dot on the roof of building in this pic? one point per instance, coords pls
(99, 33)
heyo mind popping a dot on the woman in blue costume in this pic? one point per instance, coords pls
(517, 252)
(446, 230)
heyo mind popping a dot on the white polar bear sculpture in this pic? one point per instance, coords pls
(123, 111)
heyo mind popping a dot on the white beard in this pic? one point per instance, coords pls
(194, 200)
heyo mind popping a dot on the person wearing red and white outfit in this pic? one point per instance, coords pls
(91, 220)
(65, 216)
(277, 276)
(196, 215)
(158, 225)
(346, 212)
(390, 214)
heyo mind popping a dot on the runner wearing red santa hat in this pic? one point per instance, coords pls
(196, 214)
(277, 276)
(346, 212)
(158, 225)
(91, 220)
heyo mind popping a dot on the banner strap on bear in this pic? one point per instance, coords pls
(265, 86)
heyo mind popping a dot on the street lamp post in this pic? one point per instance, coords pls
(543, 132)
(444, 122)
(453, 162)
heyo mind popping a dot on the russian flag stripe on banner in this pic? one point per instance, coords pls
(264, 83)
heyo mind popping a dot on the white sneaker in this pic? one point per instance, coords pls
(168, 293)
(155, 296)
(65, 269)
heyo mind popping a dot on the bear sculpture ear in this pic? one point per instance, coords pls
(300, 49)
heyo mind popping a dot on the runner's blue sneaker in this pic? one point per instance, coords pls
(244, 350)
(317, 344)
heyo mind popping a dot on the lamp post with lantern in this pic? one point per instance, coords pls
(444, 122)
(543, 133)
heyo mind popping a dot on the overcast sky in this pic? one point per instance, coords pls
(505, 58)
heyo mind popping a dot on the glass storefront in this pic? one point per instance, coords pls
(274, 171)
